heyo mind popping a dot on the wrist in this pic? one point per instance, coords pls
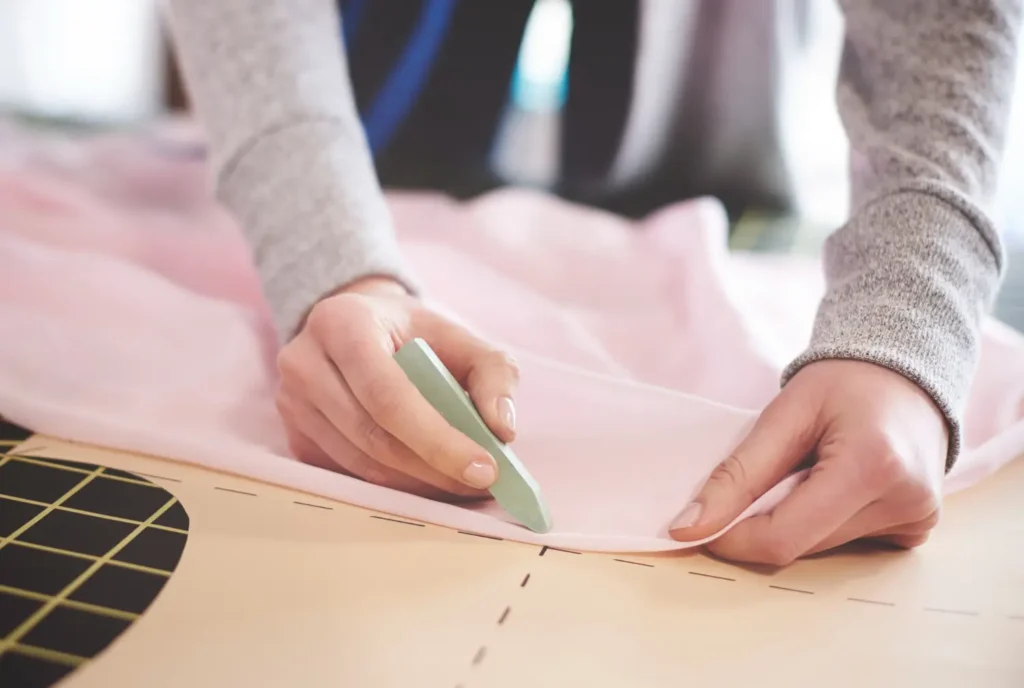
(376, 285)
(369, 285)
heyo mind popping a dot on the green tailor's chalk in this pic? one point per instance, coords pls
(515, 490)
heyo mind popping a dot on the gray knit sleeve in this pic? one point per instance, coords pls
(924, 93)
(269, 82)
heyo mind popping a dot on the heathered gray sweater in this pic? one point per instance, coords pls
(924, 93)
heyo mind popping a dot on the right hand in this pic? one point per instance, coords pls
(348, 406)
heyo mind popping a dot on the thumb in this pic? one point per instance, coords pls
(784, 435)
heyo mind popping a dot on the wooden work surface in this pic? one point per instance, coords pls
(279, 588)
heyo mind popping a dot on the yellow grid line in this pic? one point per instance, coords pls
(31, 622)
(5, 458)
(108, 517)
(90, 557)
(60, 500)
(10, 443)
(73, 604)
(47, 655)
(41, 461)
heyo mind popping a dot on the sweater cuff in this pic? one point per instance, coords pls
(909, 280)
(308, 199)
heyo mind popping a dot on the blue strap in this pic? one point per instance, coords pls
(405, 82)
(352, 12)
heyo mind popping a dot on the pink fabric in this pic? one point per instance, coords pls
(130, 316)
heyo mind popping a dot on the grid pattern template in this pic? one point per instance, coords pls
(84, 550)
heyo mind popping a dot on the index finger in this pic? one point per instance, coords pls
(783, 435)
(816, 509)
(394, 403)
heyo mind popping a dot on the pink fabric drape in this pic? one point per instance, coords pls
(131, 316)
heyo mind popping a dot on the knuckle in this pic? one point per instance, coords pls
(731, 475)
(382, 402)
(885, 469)
(729, 472)
(319, 319)
(376, 439)
(494, 365)
(917, 503)
(509, 363)
(331, 319)
(289, 364)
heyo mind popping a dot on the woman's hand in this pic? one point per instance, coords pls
(880, 448)
(348, 406)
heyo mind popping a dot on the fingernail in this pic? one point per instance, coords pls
(479, 474)
(507, 413)
(687, 517)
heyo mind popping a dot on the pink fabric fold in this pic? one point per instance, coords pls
(131, 317)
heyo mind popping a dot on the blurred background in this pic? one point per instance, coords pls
(86, 64)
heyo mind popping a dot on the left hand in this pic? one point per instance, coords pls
(879, 445)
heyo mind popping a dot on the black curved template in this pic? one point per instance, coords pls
(84, 550)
